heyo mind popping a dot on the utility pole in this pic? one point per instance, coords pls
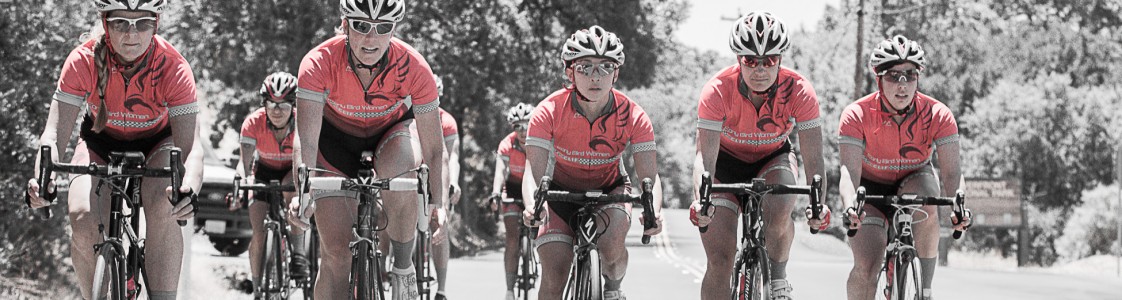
(858, 69)
(1118, 181)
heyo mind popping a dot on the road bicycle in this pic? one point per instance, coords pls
(276, 280)
(901, 261)
(119, 271)
(584, 281)
(751, 268)
(366, 279)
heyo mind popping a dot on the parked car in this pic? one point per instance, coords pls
(229, 231)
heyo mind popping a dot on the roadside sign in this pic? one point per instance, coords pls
(995, 202)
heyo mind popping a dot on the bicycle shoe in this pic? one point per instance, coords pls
(614, 295)
(403, 284)
(780, 290)
(299, 267)
(440, 296)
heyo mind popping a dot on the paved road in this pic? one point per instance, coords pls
(672, 266)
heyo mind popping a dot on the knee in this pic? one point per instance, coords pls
(335, 252)
(866, 271)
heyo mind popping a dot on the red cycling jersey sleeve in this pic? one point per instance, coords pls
(138, 106)
(448, 127)
(514, 156)
(586, 155)
(406, 82)
(272, 153)
(894, 150)
(748, 133)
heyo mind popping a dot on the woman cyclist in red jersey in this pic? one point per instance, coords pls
(577, 135)
(266, 155)
(139, 94)
(886, 144)
(509, 167)
(746, 115)
(364, 90)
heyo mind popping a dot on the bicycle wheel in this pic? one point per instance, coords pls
(905, 280)
(313, 260)
(273, 284)
(109, 281)
(750, 275)
(363, 273)
(527, 269)
(584, 279)
(421, 259)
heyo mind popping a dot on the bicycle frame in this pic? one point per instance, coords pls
(751, 268)
(123, 171)
(527, 265)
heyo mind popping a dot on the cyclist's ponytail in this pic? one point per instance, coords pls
(101, 57)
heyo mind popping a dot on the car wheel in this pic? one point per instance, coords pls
(230, 246)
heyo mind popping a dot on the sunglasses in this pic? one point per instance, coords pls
(364, 27)
(142, 24)
(755, 61)
(273, 105)
(895, 76)
(589, 69)
(521, 126)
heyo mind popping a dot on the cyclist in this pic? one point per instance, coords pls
(886, 142)
(364, 90)
(441, 249)
(746, 115)
(266, 155)
(508, 180)
(584, 153)
(139, 95)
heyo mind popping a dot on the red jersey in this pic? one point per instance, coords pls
(448, 127)
(139, 106)
(748, 133)
(893, 151)
(405, 83)
(272, 153)
(586, 155)
(514, 156)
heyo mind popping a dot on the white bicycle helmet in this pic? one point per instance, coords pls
(278, 85)
(758, 34)
(897, 49)
(594, 41)
(153, 6)
(520, 112)
(383, 10)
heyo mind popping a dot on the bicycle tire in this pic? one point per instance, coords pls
(108, 267)
(421, 258)
(273, 283)
(751, 275)
(584, 279)
(362, 273)
(313, 261)
(527, 268)
(906, 284)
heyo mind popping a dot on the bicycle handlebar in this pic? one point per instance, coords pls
(129, 164)
(419, 184)
(593, 198)
(958, 204)
(759, 187)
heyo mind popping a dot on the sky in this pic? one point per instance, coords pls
(709, 21)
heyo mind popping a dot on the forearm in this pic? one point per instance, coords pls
(183, 133)
(247, 151)
(305, 148)
(500, 176)
(810, 141)
(60, 125)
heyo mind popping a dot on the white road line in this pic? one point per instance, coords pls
(665, 250)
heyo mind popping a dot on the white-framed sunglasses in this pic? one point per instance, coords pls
(588, 69)
(142, 24)
(364, 27)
